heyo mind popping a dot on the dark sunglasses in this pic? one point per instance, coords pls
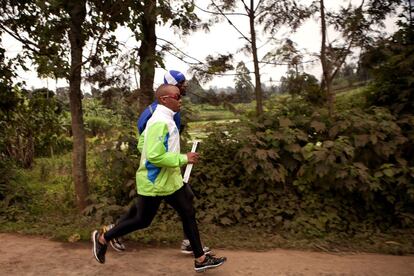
(176, 97)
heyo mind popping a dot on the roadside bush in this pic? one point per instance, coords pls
(303, 172)
(13, 204)
(7, 172)
(113, 183)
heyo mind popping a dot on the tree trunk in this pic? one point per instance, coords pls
(258, 87)
(77, 12)
(326, 68)
(147, 54)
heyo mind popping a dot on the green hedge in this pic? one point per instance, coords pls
(309, 174)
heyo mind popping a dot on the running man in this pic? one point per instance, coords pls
(159, 178)
(178, 79)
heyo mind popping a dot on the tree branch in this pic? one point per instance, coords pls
(229, 21)
(185, 54)
(218, 13)
(91, 56)
(246, 7)
(24, 41)
(258, 5)
(277, 63)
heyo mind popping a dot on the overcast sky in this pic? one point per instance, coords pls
(222, 39)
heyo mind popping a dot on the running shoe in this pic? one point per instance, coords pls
(186, 248)
(115, 243)
(98, 249)
(209, 263)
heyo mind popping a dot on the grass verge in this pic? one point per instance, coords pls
(235, 238)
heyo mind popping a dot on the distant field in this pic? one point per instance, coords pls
(206, 112)
(208, 116)
(355, 97)
(200, 129)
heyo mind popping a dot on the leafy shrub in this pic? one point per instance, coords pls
(301, 171)
(97, 125)
(7, 172)
(391, 63)
(113, 177)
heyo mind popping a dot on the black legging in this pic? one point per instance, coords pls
(133, 210)
(141, 215)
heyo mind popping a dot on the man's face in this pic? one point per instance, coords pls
(172, 99)
(183, 87)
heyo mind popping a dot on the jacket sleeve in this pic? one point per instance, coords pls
(156, 147)
(140, 145)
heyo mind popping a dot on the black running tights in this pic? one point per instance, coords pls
(141, 215)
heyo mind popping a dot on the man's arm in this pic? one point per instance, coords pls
(156, 143)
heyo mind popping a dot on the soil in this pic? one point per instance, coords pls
(34, 255)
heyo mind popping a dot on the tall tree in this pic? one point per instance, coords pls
(145, 18)
(243, 83)
(356, 25)
(77, 12)
(147, 53)
(195, 91)
(391, 63)
(263, 15)
(53, 35)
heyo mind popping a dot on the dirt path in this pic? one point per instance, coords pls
(31, 255)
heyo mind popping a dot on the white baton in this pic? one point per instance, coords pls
(190, 166)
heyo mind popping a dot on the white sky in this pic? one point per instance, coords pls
(222, 38)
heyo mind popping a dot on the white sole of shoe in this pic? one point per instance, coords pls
(191, 252)
(94, 241)
(114, 247)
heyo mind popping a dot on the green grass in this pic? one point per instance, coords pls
(208, 117)
(74, 227)
(351, 98)
(201, 129)
(206, 112)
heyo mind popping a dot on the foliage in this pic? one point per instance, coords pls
(195, 92)
(43, 191)
(99, 120)
(298, 172)
(244, 86)
(33, 127)
(214, 65)
(7, 173)
(391, 61)
(354, 25)
(308, 174)
(304, 85)
(348, 75)
(295, 170)
(120, 158)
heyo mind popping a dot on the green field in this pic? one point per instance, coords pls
(201, 129)
(207, 117)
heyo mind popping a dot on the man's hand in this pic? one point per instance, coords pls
(192, 157)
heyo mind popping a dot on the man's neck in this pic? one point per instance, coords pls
(165, 110)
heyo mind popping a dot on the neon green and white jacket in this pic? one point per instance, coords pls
(159, 171)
